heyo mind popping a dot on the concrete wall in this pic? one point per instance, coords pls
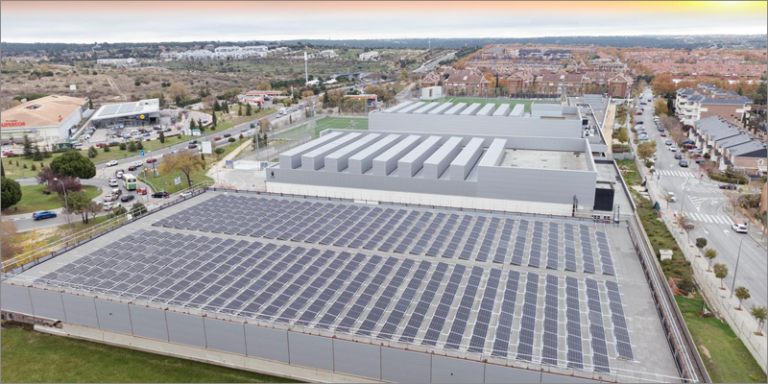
(244, 346)
(472, 125)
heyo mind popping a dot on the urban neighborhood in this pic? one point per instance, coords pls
(265, 202)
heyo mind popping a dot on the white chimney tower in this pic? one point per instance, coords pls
(306, 73)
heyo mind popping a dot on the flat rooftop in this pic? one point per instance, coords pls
(521, 158)
(540, 293)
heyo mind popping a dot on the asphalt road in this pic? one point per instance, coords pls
(704, 202)
(430, 65)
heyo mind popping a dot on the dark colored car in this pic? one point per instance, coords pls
(193, 142)
(133, 168)
(227, 134)
(160, 194)
(113, 143)
(728, 186)
(127, 198)
(638, 122)
(40, 215)
(684, 163)
(678, 156)
(192, 146)
(701, 160)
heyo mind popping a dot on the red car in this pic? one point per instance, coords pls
(99, 145)
(663, 134)
(151, 160)
(639, 113)
(142, 191)
(217, 138)
(8, 153)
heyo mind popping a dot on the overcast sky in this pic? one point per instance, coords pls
(88, 22)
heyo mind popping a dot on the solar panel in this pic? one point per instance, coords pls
(398, 312)
(428, 234)
(413, 232)
(504, 242)
(528, 320)
(453, 245)
(522, 234)
(620, 329)
(596, 328)
(604, 250)
(425, 302)
(441, 313)
(549, 336)
(553, 247)
(474, 235)
(385, 298)
(456, 334)
(483, 321)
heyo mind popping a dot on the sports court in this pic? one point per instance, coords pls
(483, 101)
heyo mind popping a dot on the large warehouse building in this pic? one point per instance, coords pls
(50, 119)
(331, 290)
(124, 115)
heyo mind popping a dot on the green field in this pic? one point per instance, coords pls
(726, 357)
(33, 357)
(483, 101)
(322, 125)
(33, 199)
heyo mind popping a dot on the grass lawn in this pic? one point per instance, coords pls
(166, 182)
(33, 199)
(483, 101)
(322, 125)
(29, 357)
(726, 357)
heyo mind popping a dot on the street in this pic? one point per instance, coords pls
(701, 199)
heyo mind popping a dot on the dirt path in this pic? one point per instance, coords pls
(114, 86)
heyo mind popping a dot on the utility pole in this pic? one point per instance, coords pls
(306, 71)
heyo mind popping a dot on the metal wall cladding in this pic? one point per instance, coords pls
(405, 366)
(46, 303)
(357, 359)
(265, 343)
(16, 299)
(186, 329)
(498, 374)
(149, 322)
(448, 370)
(114, 316)
(225, 336)
(311, 351)
(80, 310)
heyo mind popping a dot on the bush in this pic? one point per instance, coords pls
(123, 146)
(106, 148)
(232, 140)
(140, 146)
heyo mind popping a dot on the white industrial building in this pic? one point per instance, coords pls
(48, 119)
(327, 54)
(119, 63)
(368, 56)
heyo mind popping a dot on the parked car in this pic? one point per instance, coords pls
(151, 160)
(160, 194)
(689, 146)
(217, 138)
(663, 134)
(117, 191)
(113, 183)
(683, 163)
(678, 156)
(133, 168)
(192, 146)
(701, 160)
(193, 142)
(111, 163)
(688, 223)
(41, 215)
(127, 198)
(99, 145)
(673, 148)
(113, 143)
(668, 142)
(638, 122)
(227, 135)
(671, 197)
(142, 191)
(728, 186)
(186, 194)
(689, 141)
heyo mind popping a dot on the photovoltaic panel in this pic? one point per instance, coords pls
(438, 320)
(306, 294)
(428, 234)
(453, 245)
(575, 356)
(550, 334)
(456, 334)
(485, 247)
(444, 235)
(483, 321)
(385, 298)
(474, 235)
(504, 241)
(506, 316)
(620, 329)
(604, 250)
(553, 246)
(398, 312)
(519, 250)
(425, 302)
(596, 328)
(528, 320)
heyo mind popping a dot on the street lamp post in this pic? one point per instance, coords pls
(66, 204)
(736, 270)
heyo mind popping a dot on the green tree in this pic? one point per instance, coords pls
(162, 137)
(216, 106)
(759, 313)
(90, 101)
(219, 151)
(191, 123)
(710, 254)
(622, 136)
(646, 150)
(47, 154)
(132, 146)
(79, 203)
(37, 155)
(92, 152)
(10, 192)
(721, 272)
(138, 209)
(200, 124)
(123, 146)
(28, 150)
(213, 121)
(742, 293)
(701, 243)
(185, 162)
(239, 109)
(139, 146)
(72, 163)
(106, 148)
(247, 109)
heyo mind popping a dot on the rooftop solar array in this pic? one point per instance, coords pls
(477, 237)
(423, 301)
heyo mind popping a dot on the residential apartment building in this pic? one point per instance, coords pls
(705, 100)
(612, 83)
(328, 54)
(466, 82)
(368, 56)
(728, 146)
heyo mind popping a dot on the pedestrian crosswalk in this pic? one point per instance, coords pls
(712, 219)
(703, 188)
(675, 173)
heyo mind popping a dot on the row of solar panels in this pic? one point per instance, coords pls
(468, 237)
(352, 294)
